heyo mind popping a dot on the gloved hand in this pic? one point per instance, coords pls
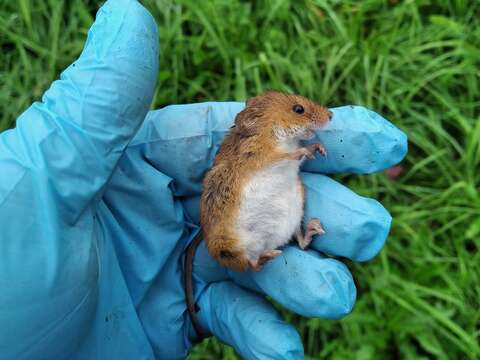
(93, 224)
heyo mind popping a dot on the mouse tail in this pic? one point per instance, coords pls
(226, 251)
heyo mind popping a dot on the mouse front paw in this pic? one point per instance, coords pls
(312, 148)
(308, 152)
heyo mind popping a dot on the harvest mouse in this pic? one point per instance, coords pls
(253, 198)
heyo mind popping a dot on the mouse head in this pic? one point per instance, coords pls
(283, 115)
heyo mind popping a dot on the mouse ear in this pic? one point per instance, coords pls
(252, 101)
(247, 121)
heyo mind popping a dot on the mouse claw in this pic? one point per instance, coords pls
(312, 148)
(321, 149)
(255, 265)
(302, 153)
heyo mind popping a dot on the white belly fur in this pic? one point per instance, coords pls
(271, 208)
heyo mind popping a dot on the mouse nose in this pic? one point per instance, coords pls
(330, 115)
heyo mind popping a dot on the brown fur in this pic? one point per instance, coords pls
(249, 147)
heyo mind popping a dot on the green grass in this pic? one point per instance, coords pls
(415, 62)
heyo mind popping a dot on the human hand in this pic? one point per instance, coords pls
(63, 295)
(94, 232)
(181, 141)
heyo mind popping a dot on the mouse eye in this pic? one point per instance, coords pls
(298, 109)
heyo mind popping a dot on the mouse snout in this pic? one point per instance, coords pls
(322, 116)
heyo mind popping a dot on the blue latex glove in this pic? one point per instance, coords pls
(93, 224)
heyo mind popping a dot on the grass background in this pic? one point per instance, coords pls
(415, 62)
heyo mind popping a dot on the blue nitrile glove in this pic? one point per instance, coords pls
(93, 224)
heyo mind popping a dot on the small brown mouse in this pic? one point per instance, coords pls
(252, 200)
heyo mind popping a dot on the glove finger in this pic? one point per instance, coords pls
(247, 322)
(357, 140)
(78, 132)
(304, 282)
(355, 227)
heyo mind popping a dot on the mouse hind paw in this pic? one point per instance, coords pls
(314, 227)
(264, 257)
